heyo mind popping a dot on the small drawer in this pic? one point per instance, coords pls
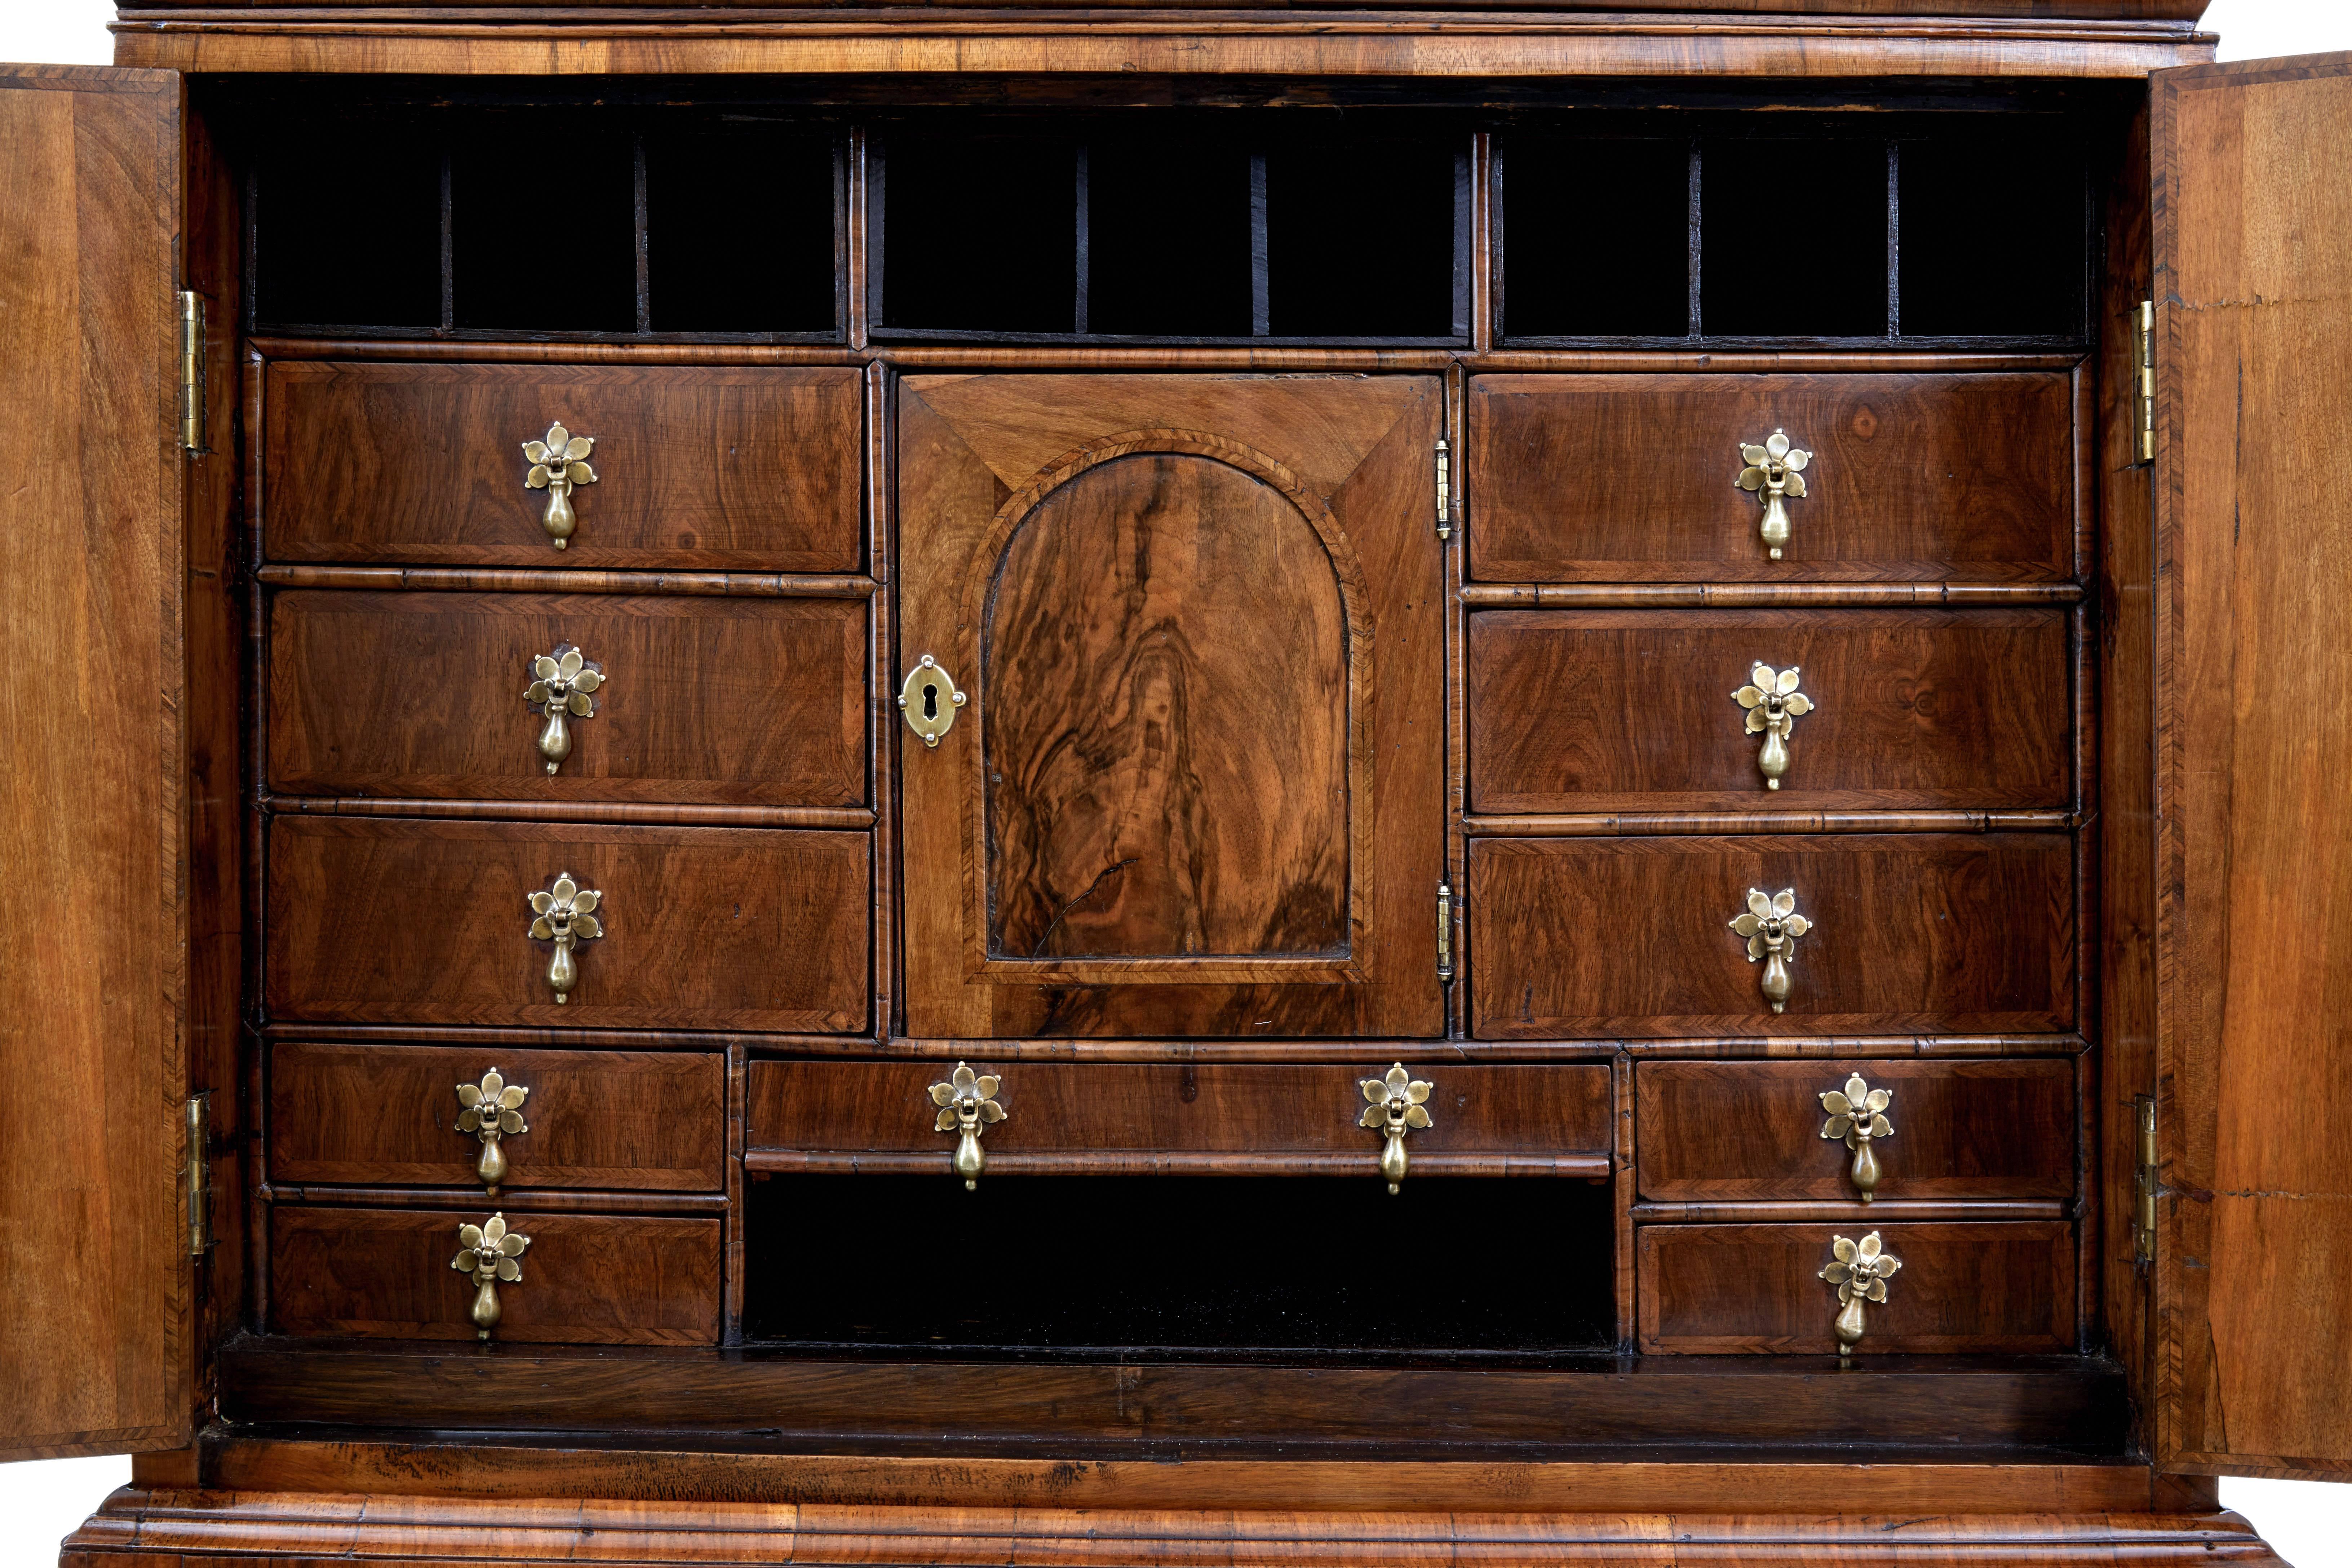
(1908, 933)
(725, 469)
(1632, 478)
(585, 1279)
(1904, 710)
(1726, 1131)
(388, 1115)
(374, 920)
(696, 701)
(1990, 1288)
(1204, 1118)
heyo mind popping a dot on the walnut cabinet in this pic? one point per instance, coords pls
(916, 784)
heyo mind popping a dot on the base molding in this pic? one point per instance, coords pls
(297, 1528)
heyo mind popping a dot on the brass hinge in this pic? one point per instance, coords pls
(1444, 489)
(1445, 933)
(192, 370)
(199, 1173)
(2145, 1186)
(2144, 380)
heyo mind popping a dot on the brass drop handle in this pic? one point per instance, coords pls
(1857, 1113)
(493, 1254)
(561, 914)
(492, 1112)
(1772, 925)
(562, 687)
(1399, 1104)
(1860, 1270)
(558, 464)
(1774, 705)
(1775, 472)
(967, 1106)
(928, 698)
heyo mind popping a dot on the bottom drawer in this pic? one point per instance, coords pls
(586, 1278)
(1995, 1287)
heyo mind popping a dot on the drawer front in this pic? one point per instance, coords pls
(1990, 1288)
(1733, 1131)
(701, 700)
(743, 469)
(1609, 938)
(1234, 1117)
(586, 1278)
(1631, 477)
(1615, 711)
(387, 1115)
(382, 921)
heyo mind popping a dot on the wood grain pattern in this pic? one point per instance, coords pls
(1598, 711)
(1628, 937)
(704, 701)
(723, 469)
(1166, 662)
(2253, 727)
(2005, 1287)
(427, 922)
(618, 1119)
(96, 1296)
(1752, 1131)
(1627, 478)
(1929, 1406)
(586, 1278)
(1235, 1118)
(1349, 457)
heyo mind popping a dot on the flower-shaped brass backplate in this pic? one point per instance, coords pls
(558, 463)
(967, 1102)
(562, 916)
(493, 1254)
(1857, 1114)
(1775, 472)
(1773, 926)
(493, 1110)
(1860, 1272)
(562, 687)
(1398, 1104)
(1774, 705)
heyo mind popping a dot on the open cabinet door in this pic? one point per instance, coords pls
(2254, 289)
(95, 1276)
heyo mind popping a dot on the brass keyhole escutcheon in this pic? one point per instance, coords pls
(928, 700)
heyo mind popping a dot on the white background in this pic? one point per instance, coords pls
(2309, 1521)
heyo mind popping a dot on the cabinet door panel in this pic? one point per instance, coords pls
(1990, 1288)
(586, 1278)
(1197, 785)
(386, 1116)
(1910, 932)
(383, 920)
(718, 702)
(1737, 1130)
(1231, 1118)
(725, 469)
(1574, 710)
(1629, 479)
(2254, 742)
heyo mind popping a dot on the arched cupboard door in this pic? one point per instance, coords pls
(1188, 631)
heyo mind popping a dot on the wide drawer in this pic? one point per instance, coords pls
(736, 468)
(1911, 934)
(1632, 478)
(1733, 1131)
(1987, 1288)
(1906, 709)
(586, 1278)
(387, 1115)
(383, 920)
(699, 701)
(1208, 1118)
